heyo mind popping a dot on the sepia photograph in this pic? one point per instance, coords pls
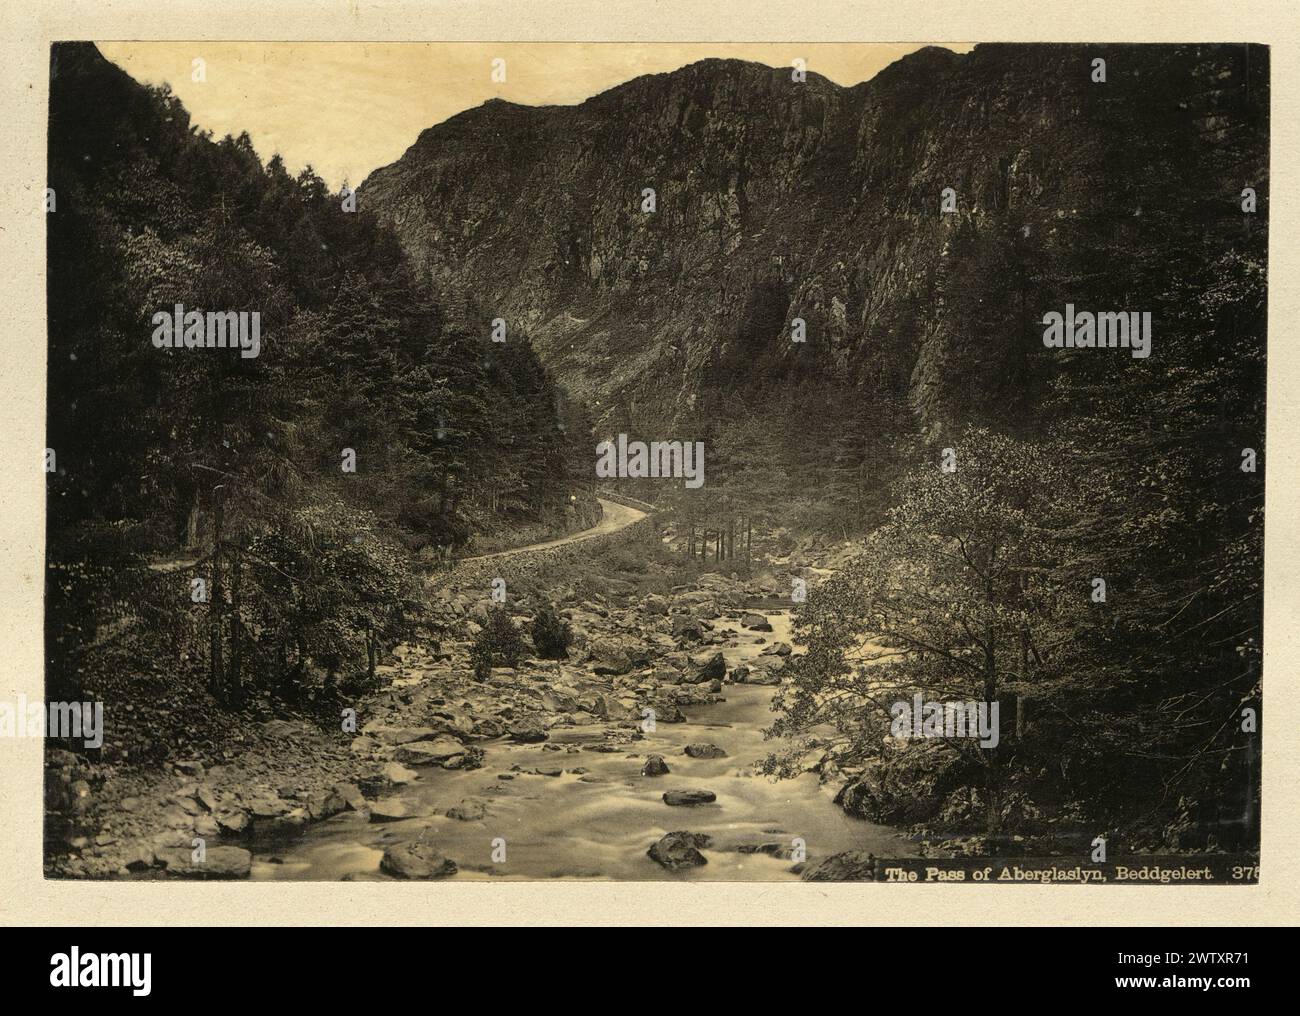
(638, 462)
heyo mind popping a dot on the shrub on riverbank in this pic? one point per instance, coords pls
(552, 635)
(499, 643)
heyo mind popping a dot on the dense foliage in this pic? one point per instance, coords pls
(240, 465)
(1139, 712)
(552, 635)
(499, 643)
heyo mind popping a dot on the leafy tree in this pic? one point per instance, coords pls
(966, 594)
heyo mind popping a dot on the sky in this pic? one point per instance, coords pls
(347, 108)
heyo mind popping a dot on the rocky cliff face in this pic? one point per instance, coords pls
(777, 200)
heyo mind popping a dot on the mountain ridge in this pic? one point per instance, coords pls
(777, 200)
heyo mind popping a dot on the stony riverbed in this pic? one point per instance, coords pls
(550, 770)
(590, 800)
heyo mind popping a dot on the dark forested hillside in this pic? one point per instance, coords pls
(371, 421)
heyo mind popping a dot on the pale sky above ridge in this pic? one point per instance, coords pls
(348, 108)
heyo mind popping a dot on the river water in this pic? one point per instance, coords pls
(599, 824)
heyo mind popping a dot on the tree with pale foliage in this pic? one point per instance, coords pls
(968, 593)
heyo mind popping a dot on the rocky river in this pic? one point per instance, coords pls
(573, 807)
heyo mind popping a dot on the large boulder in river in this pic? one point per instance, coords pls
(679, 850)
(756, 622)
(428, 753)
(689, 798)
(665, 712)
(907, 785)
(704, 751)
(416, 860)
(527, 730)
(218, 862)
(687, 628)
(713, 669)
(850, 866)
(321, 804)
(764, 675)
(613, 655)
(655, 766)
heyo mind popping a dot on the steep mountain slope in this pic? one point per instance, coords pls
(779, 199)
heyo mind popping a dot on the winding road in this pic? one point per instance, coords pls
(613, 517)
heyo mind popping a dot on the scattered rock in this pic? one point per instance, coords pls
(232, 822)
(715, 669)
(218, 862)
(426, 753)
(416, 860)
(555, 701)
(655, 766)
(394, 809)
(850, 866)
(689, 798)
(469, 810)
(399, 735)
(665, 712)
(617, 655)
(488, 727)
(771, 849)
(205, 826)
(679, 850)
(139, 857)
(528, 731)
(654, 604)
(398, 775)
(687, 628)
